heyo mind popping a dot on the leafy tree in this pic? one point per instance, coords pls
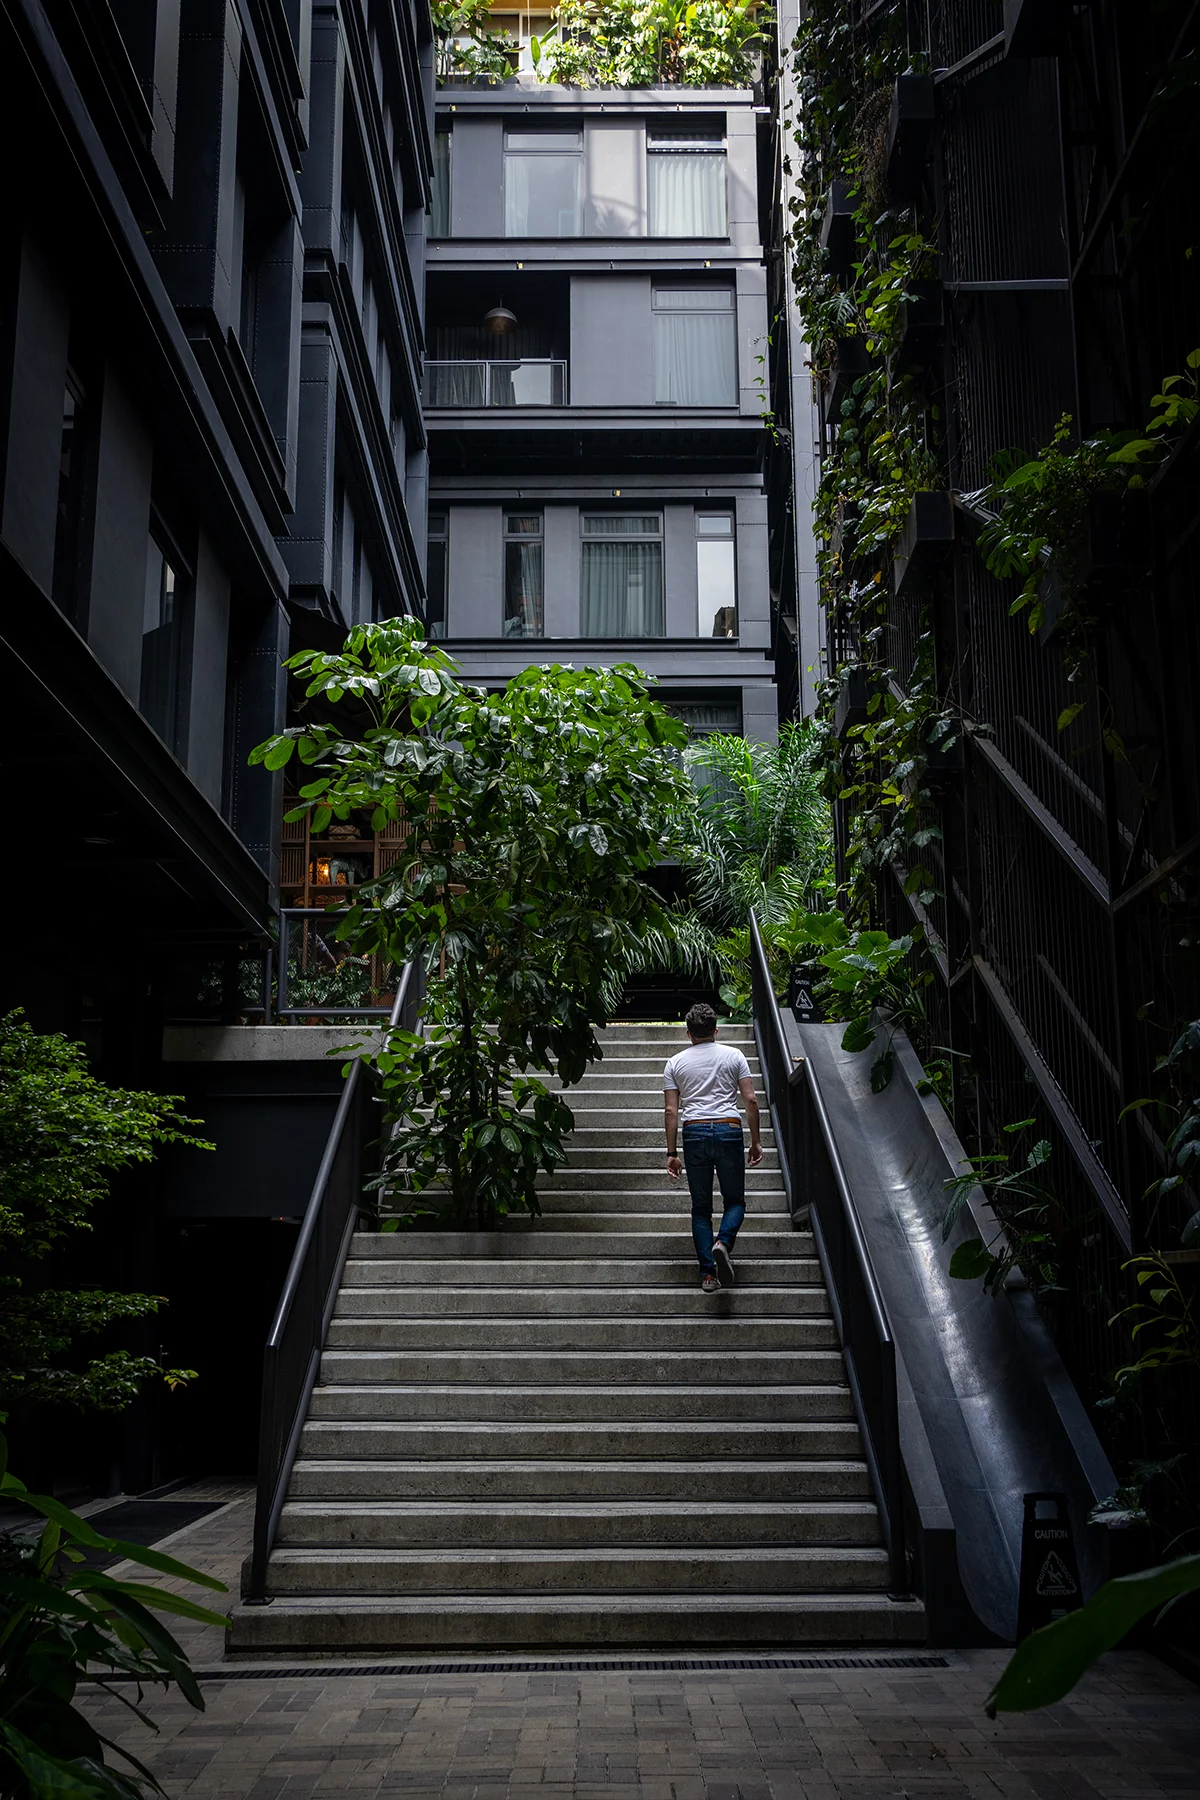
(758, 833)
(466, 45)
(532, 815)
(60, 1620)
(63, 1135)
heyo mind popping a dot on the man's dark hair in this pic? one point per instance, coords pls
(701, 1020)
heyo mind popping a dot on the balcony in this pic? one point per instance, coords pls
(527, 381)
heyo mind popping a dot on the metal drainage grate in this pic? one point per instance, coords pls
(570, 1666)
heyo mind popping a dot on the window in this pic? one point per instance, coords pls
(436, 573)
(622, 575)
(703, 718)
(439, 206)
(543, 181)
(523, 603)
(716, 579)
(695, 347)
(162, 645)
(685, 177)
(70, 495)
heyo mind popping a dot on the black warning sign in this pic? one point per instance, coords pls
(1050, 1584)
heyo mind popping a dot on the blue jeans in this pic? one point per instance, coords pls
(710, 1150)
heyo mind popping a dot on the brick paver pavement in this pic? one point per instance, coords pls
(1130, 1731)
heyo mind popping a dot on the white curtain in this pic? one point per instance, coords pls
(687, 194)
(622, 590)
(695, 358)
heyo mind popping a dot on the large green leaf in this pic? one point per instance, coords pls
(1050, 1661)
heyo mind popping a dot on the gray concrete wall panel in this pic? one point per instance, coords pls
(477, 178)
(614, 178)
(610, 340)
(561, 571)
(475, 593)
(679, 570)
(751, 300)
(33, 445)
(121, 537)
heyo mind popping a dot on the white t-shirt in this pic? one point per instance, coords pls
(707, 1077)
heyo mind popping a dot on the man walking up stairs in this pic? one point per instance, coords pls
(548, 1437)
(701, 1087)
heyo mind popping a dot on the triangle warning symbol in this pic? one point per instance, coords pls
(1055, 1581)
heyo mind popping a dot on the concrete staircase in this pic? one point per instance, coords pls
(548, 1436)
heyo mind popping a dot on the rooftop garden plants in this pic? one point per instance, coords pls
(629, 43)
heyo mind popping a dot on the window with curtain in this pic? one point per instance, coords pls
(685, 180)
(436, 571)
(543, 184)
(439, 206)
(695, 347)
(523, 600)
(716, 575)
(622, 584)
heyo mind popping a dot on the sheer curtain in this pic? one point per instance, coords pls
(523, 606)
(695, 358)
(622, 590)
(687, 193)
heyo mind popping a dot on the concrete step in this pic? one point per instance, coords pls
(674, 1203)
(780, 1570)
(635, 1304)
(613, 1078)
(724, 1481)
(650, 1060)
(371, 1440)
(557, 1524)
(733, 1332)
(601, 1150)
(523, 1402)
(344, 1622)
(644, 1100)
(649, 1176)
(432, 1277)
(736, 1368)
(629, 1229)
(536, 1241)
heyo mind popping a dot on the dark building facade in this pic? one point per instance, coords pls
(211, 448)
(596, 389)
(1044, 154)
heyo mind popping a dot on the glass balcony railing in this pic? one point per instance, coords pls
(531, 381)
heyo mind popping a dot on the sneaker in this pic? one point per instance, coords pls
(710, 1285)
(724, 1264)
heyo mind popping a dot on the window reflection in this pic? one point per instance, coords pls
(716, 576)
(523, 598)
(543, 182)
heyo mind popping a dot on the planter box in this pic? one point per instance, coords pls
(927, 536)
(850, 708)
(921, 321)
(850, 362)
(909, 129)
(1032, 27)
(839, 234)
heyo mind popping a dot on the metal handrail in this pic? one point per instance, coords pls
(814, 1175)
(304, 1288)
